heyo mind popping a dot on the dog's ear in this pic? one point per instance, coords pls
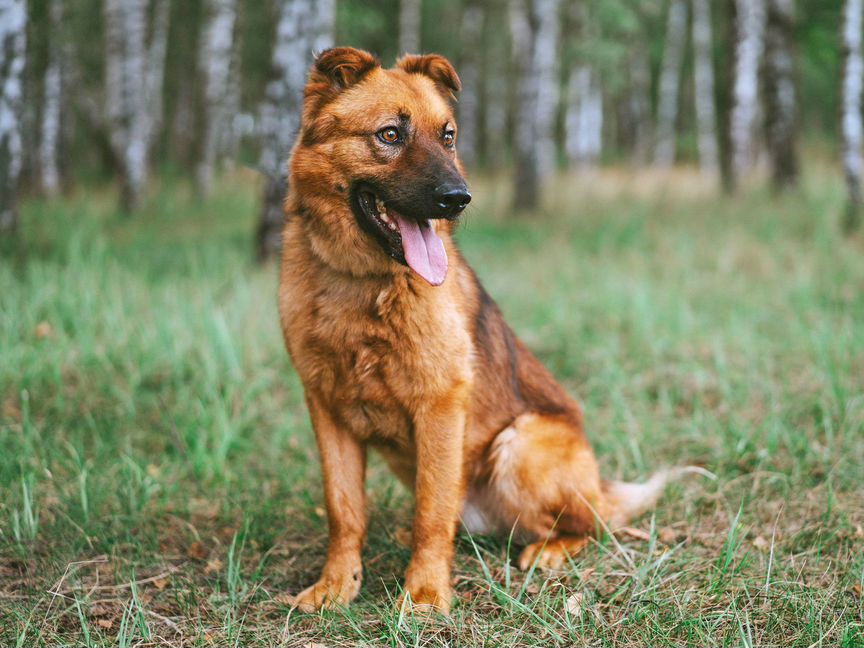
(336, 69)
(436, 67)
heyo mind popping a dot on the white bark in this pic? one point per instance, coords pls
(749, 47)
(214, 62)
(703, 79)
(409, 26)
(670, 78)
(853, 71)
(303, 27)
(534, 25)
(126, 93)
(469, 73)
(51, 100)
(13, 41)
(584, 117)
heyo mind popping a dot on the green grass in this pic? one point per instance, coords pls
(159, 481)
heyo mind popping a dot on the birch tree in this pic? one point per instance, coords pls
(703, 81)
(534, 29)
(584, 117)
(749, 47)
(215, 65)
(13, 40)
(670, 80)
(52, 89)
(469, 72)
(851, 127)
(409, 26)
(303, 27)
(133, 75)
(781, 105)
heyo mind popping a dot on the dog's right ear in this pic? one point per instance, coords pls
(333, 71)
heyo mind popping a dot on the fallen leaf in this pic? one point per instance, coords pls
(319, 511)
(105, 623)
(587, 573)
(403, 536)
(532, 588)
(213, 566)
(859, 532)
(856, 590)
(761, 543)
(668, 535)
(576, 604)
(639, 534)
(160, 583)
(197, 551)
(153, 470)
(43, 330)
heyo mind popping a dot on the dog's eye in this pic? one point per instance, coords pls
(389, 135)
(449, 138)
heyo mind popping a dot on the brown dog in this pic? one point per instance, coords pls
(401, 350)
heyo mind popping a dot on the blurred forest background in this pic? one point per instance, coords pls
(125, 89)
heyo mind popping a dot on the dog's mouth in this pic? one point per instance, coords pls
(409, 241)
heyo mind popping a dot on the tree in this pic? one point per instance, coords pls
(215, 64)
(303, 27)
(670, 78)
(13, 41)
(749, 47)
(781, 102)
(584, 117)
(133, 76)
(51, 103)
(534, 30)
(703, 81)
(470, 74)
(851, 130)
(409, 26)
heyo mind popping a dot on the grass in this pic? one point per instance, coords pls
(159, 482)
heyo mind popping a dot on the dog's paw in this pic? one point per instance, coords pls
(425, 600)
(328, 593)
(552, 554)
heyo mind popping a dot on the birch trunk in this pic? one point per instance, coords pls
(52, 97)
(534, 28)
(214, 63)
(853, 72)
(749, 47)
(703, 79)
(469, 73)
(780, 93)
(302, 26)
(125, 33)
(13, 41)
(670, 80)
(584, 117)
(155, 74)
(409, 26)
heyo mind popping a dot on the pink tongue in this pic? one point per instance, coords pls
(424, 250)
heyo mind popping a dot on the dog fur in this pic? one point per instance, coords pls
(429, 376)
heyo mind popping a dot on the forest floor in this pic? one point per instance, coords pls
(159, 483)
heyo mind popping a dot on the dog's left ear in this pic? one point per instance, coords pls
(436, 67)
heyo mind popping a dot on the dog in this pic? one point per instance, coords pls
(402, 351)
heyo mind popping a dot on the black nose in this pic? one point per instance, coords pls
(452, 198)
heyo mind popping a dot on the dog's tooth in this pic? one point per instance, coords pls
(380, 205)
(385, 217)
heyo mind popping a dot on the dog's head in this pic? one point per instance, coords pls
(375, 165)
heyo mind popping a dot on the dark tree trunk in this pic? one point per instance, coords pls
(781, 104)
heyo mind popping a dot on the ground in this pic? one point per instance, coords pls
(159, 482)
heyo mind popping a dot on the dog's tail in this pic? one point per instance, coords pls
(627, 500)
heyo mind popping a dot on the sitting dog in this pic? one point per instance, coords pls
(401, 350)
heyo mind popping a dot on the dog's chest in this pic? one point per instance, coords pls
(373, 358)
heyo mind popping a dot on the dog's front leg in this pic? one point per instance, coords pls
(343, 463)
(439, 434)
